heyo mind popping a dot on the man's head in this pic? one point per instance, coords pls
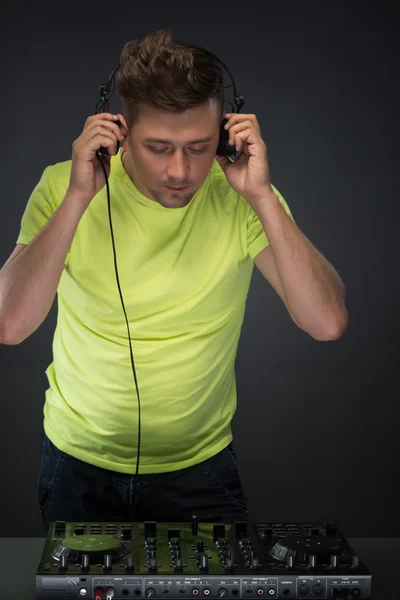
(166, 149)
(172, 93)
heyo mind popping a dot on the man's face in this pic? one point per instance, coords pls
(175, 159)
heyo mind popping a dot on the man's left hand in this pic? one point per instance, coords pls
(249, 175)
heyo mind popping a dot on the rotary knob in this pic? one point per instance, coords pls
(150, 593)
(255, 563)
(222, 593)
(334, 561)
(152, 564)
(85, 562)
(355, 562)
(203, 561)
(178, 564)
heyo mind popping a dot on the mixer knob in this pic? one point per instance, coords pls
(312, 561)
(85, 561)
(129, 563)
(355, 562)
(290, 561)
(222, 593)
(107, 562)
(150, 593)
(178, 563)
(152, 564)
(229, 563)
(255, 563)
(204, 561)
(63, 566)
(334, 561)
(194, 525)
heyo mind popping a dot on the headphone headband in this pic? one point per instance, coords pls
(104, 89)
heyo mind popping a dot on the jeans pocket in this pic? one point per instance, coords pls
(239, 472)
(223, 471)
(51, 461)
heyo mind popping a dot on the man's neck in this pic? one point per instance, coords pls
(123, 159)
(127, 164)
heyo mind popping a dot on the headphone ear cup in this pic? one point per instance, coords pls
(224, 148)
(118, 122)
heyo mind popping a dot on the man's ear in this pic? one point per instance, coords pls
(124, 124)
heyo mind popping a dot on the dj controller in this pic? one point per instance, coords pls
(171, 560)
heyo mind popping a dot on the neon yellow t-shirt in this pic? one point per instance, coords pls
(184, 275)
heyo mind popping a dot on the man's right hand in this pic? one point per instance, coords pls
(87, 176)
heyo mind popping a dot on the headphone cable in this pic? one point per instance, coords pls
(127, 324)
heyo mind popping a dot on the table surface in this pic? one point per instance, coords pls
(19, 559)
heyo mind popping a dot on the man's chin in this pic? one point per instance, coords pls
(175, 201)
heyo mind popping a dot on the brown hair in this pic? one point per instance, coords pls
(169, 77)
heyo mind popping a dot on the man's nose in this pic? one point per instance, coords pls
(178, 169)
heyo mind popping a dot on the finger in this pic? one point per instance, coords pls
(233, 126)
(247, 138)
(238, 118)
(110, 126)
(242, 137)
(235, 129)
(101, 116)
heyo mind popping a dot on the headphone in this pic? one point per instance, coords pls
(223, 149)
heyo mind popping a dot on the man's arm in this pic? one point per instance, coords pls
(307, 283)
(265, 263)
(29, 278)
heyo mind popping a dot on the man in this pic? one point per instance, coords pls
(184, 275)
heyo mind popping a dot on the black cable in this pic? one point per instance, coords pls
(127, 324)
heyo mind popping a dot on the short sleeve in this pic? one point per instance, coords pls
(42, 204)
(256, 238)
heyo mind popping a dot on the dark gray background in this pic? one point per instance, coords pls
(316, 430)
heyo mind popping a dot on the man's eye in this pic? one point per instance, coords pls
(160, 151)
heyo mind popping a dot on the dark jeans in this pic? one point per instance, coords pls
(73, 490)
